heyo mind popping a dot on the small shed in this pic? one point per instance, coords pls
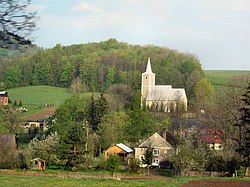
(120, 150)
(4, 98)
(37, 164)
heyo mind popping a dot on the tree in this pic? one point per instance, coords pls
(203, 92)
(44, 148)
(112, 164)
(191, 154)
(96, 110)
(112, 129)
(148, 157)
(15, 23)
(244, 140)
(67, 74)
(8, 120)
(141, 123)
(10, 77)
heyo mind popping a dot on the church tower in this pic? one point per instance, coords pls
(148, 81)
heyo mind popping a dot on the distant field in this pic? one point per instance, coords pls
(223, 77)
(35, 98)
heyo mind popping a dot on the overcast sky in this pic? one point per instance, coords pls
(217, 31)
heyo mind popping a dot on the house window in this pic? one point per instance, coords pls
(156, 161)
(156, 152)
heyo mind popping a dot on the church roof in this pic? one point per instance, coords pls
(160, 92)
(166, 92)
(177, 94)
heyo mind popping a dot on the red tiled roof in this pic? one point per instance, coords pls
(210, 135)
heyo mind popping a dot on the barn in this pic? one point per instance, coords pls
(4, 98)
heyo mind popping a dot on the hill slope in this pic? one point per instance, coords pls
(35, 98)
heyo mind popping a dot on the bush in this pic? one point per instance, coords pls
(112, 164)
(134, 165)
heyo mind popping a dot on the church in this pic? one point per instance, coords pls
(160, 95)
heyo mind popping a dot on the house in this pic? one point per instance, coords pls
(120, 150)
(161, 148)
(211, 137)
(4, 98)
(161, 95)
(37, 164)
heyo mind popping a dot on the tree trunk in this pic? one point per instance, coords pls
(74, 148)
(247, 167)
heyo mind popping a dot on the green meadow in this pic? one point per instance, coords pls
(35, 98)
(223, 77)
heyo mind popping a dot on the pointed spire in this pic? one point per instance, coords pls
(149, 69)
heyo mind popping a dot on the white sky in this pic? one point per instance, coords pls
(217, 31)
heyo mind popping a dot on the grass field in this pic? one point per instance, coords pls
(46, 181)
(223, 77)
(35, 98)
(23, 181)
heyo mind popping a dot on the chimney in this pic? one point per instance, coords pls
(164, 133)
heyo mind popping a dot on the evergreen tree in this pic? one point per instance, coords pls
(20, 103)
(244, 147)
(148, 157)
(92, 113)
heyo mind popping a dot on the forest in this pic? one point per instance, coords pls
(97, 66)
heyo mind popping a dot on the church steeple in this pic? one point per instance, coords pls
(148, 81)
(149, 69)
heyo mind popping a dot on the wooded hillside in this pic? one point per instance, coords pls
(96, 66)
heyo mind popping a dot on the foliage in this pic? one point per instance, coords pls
(15, 23)
(134, 165)
(244, 126)
(44, 148)
(112, 164)
(8, 120)
(190, 155)
(141, 123)
(96, 110)
(112, 129)
(203, 92)
(148, 156)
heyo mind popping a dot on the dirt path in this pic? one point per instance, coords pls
(47, 111)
